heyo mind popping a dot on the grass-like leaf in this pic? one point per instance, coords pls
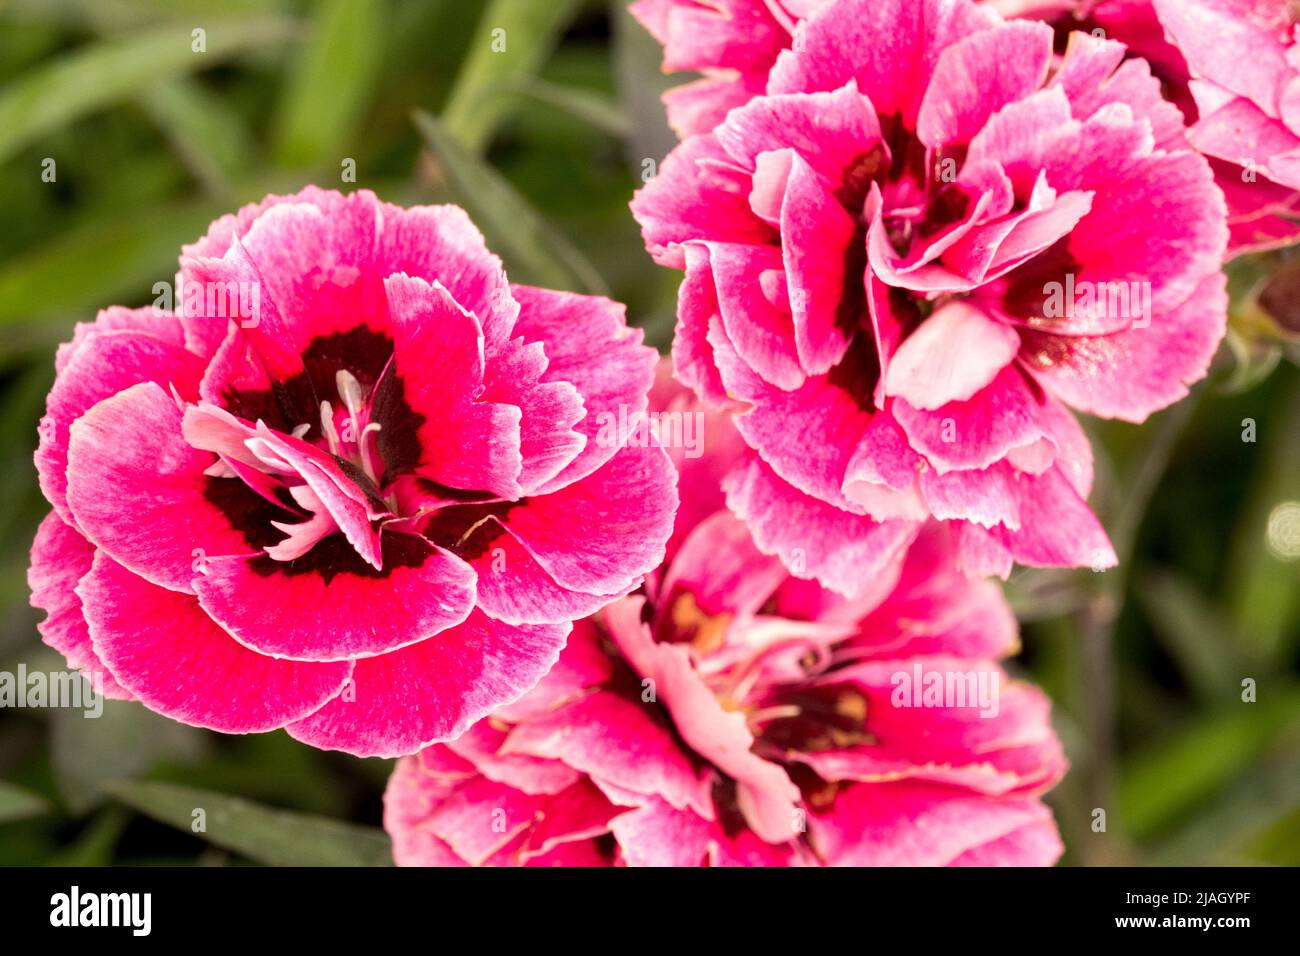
(110, 70)
(19, 804)
(330, 83)
(1161, 783)
(267, 835)
(531, 247)
(511, 42)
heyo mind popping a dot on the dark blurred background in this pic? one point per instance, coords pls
(542, 131)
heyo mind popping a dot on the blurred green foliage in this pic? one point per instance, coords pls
(544, 142)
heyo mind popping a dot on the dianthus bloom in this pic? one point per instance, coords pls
(912, 256)
(731, 714)
(353, 489)
(735, 43)
(1244, 63)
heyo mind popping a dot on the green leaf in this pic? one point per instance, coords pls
(1223, 831)
(95, 844)
(131, 14)
(330, 83)
(208, 135)
(641, 85)
(125, 741)
(592, 108)
(1263, 589)
(1161, 782)
(19, 804)
(531, 247)
(99, 262)
(104, 72)
(267, 835)
(511, 42)
(1195, 634)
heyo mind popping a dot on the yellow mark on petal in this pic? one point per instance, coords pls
(705, 632)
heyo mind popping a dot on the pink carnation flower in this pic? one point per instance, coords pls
(731, 714)
(353, 489)
(733, 43)
(1244, 63)
(1263, 201)
(908, 260)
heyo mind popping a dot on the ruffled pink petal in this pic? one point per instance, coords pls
(163, 649)
(619, 740)
(1242, 133)
(409, 798)
(866, 40)
(697, 306)
(338, 611)
(697, 107)
(914, 824)
(104, 363)
(718, 565)
(1057, 529)
(657, 834)
(549, 410)
(1035, 844)
(737, 34)
(481, 747)
(1096, 71)
(204, 333)
(808, 436)
(589, 344)
(583, 665)
(140, 493)
(438, 358)
(823, 254)
(978, 75)
(149, 320)
(832, 132)
(513, 587)
(845, 552)
(581, 853)
(440, 244)
(988, 496)
(433, 690)
(1131, 374)
(1233, 44)
(998, 742)
(700, 465)
(1005, 415)
(1112, 155)
(980, 551)
(760, 329)
(765, 794)
(575, 815)
(936, 608)
(1262, 215)
(601, 534)
(60, 558)
(954, 354)
(315, 261)
(698, 193)
(481, 818)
